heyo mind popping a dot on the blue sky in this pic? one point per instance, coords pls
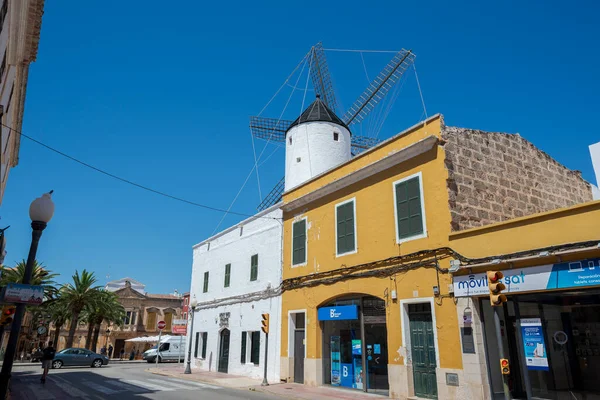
(162, 95)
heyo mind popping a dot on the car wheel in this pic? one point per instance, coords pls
(97, 363)
(57, 364)
(150, 360)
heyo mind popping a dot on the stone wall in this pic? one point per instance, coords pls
(494, 177)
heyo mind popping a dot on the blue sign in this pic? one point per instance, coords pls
(347, 375)
(356, 347)
(377, 349)
(338, 313)
(533, 342)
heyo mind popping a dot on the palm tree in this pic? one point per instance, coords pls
(77, 296)
(40, 277)
(107, 309)
(59, 314)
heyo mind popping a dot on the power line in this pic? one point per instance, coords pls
(193, 203)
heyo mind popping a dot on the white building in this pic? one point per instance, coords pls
(595, 153)
(236, 276)
(20, 25)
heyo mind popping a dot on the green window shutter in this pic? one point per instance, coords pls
(227, 275)
(254, 267)
(299, 242)
(255, 350)
(205, 288)
(243, 355)
(346, 242)
(408, 204)
(204, 343)
(196, 344)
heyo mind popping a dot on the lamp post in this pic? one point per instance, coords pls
(188, 369)
(40, 212)
(107, 333)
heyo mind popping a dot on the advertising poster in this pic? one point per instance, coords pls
(335, 361)
(356, 347)
(533, 343)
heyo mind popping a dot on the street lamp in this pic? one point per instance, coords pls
(193, 305)
(107, 333)
(40, 212)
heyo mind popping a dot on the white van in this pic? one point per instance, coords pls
(171, 349)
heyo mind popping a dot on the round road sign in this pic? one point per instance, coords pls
(161, 325)
(41, 330)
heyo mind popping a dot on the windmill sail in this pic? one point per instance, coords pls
(380, 87)
(320, 77)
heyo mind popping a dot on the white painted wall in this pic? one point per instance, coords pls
(595, 153)
(262, 235)
(7, 80)
(313, 151)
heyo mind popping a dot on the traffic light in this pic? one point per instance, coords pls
(265, 323)
(496, 287)
(504, 366)
(8, 313)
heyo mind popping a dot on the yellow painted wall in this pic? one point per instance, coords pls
(376, 240)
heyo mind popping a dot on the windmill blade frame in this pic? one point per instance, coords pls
(320, 77)
(271, 129)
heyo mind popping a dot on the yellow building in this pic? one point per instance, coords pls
(367, 299)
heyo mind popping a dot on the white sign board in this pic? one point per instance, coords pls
(26, 294)
(516, 280)
(180, 322)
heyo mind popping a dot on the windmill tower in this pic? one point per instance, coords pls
(315, 142)
(312, 133)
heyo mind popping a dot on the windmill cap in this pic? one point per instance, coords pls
(317, 111)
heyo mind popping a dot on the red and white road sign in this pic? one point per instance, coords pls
(161, 325)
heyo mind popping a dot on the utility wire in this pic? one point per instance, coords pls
(149, 189)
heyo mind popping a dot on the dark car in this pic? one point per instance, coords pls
(78, 357)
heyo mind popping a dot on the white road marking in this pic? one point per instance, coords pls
(99, 388)
(67, 387)
(125, 386)
(197, 384)
(40, 392)
(148, 386)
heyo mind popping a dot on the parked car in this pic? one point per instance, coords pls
(74, 356)
(171, 349)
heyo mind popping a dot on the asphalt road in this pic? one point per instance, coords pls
(125, 381)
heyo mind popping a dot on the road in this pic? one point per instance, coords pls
(125, 381)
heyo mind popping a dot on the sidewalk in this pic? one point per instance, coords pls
(112, 361)
(286, 390)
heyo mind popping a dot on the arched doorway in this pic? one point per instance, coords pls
(224, 351)
(355, 341)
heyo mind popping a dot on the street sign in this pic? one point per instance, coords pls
(20, 293)
(41, 330)
(161, 325)
(179, 329)
(180, 322)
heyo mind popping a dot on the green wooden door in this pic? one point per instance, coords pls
(423, 350)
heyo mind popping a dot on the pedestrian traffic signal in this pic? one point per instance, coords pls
(504, 366)
(8, 312)
(265, 323)
(496, 287)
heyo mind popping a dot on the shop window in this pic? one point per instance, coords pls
(410, 215)
(254, 267)
(227, 275)
(345, 227)
(299, 242)
(255, 347)
(205, 287)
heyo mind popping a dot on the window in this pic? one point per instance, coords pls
(205, 288)
(243, 354)
(184, 315)
(204, 342)
(299, 242)
(254, 267)
(168, 321)
(410, 216)
(290, 140)
(298, 159)
(336, 136)
(3, 12)
(3, 66)
(133, 318)
(165, 346)
(196, 344)
(227, 275)
(255, 349)
(127, 319)
(151, 322)
(345, 228)
(9, 99)
(185, 301)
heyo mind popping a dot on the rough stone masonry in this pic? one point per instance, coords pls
(495, 176)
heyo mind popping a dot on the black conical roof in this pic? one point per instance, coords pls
(318, 111)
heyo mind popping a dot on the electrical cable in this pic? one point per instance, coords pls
(127, 181)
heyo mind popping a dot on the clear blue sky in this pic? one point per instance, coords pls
(161, 95)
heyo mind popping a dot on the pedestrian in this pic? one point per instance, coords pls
(122, 353)
(110, 350)
(137, 354)
(103, 350)
(47, 357)
(132, 354)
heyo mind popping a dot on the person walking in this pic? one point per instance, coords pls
(132, 354)
(110, 350)
(122, 353)
(103, 350)
(47, 357)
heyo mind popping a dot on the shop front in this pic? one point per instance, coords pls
(550, 329)
(355, 344)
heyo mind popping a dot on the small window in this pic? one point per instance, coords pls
(299, 242)
(243, 353)
(410, 218)
(345, 227)
(205, 288)
(298, 159)
(227, 275)
(336, 136)
(255, 351)
(204, 342)
(290, 140)
(254, 267)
